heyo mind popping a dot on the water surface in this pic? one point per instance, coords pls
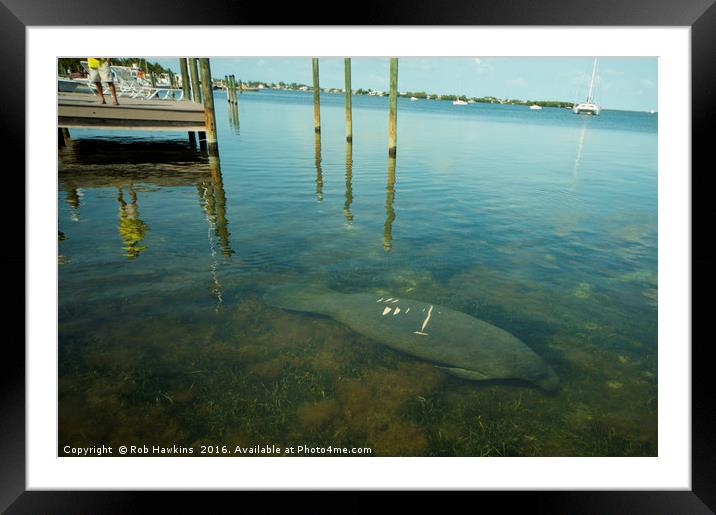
(542, 223)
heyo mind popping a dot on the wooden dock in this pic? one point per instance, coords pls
(82, 110)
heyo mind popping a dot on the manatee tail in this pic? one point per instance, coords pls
(297, 297)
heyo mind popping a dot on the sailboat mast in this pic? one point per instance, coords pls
(591, 84)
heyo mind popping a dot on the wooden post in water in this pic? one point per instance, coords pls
(195, 88)
(209, 114)
(232, 79)
(316, 97)
(186, 91)
(393, 117)
(226, 88)
(185, 86)
(349, 113)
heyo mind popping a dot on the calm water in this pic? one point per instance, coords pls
(541, 223)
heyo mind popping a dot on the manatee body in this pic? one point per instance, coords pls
(463, 345)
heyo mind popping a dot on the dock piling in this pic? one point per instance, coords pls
(185, 81)
(195, 88)
(186, 91)
(316, 98)
(209, 114)
(195, 91)
(349, 113)
(393, 117)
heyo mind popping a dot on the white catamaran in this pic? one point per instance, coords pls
(589, 107)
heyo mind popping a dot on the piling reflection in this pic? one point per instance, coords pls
(319, 171)
(222, 224)
(234, 117)
(132, 229)
(72, 197)
(578, 159)
(213, 201)
(349, 184)
(389, 211)
(206, 199)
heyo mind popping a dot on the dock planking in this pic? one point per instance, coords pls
(82, 110)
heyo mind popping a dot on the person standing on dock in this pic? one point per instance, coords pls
(100, 72)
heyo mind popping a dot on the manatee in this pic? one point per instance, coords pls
(462, 345)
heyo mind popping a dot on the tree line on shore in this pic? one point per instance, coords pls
(422, 95)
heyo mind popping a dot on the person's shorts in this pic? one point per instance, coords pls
(101, 74)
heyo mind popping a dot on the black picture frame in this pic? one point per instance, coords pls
(699, 15)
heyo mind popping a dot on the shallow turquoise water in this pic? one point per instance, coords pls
(541, 223)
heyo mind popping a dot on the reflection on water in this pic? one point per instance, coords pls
(319, 170)
(219, 206)
(577, 160)
(389, 211)
(165, 337)
(234, 118)
(131, 228)
(73, 196)
(349, 183)
(213, 201)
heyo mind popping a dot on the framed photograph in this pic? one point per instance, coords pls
(440, 253)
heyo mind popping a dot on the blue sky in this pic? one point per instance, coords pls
(622, 83)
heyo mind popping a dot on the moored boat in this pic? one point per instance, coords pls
(589, 107)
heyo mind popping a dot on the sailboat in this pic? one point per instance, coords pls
(589, 107)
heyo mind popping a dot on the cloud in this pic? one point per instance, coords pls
(517, 81)
(647, 83)
(482, 66)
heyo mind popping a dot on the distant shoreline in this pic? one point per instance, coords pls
(368, 92)
(420, 95)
